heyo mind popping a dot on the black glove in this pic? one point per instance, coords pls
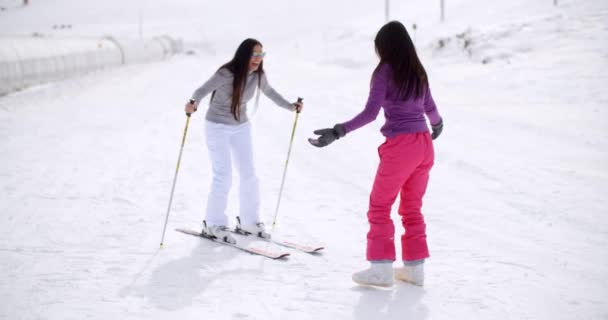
(327, 136)
(437, 128)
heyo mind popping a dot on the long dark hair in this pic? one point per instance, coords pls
(395, 48)
(239, 66)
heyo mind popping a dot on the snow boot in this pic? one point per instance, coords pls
(257, 229)
(219, 232)
(379, 274)
(413, 274)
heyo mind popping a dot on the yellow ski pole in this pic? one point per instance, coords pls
(179, 159)
(293, 132)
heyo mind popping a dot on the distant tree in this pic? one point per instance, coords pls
(26, 2)
(387, 9)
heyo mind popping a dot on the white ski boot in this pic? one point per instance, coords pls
(257, 229)
(379, 274)
(220, 232)
(413, 274)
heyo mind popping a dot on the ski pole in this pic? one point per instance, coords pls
(293, 132)
(179, 159)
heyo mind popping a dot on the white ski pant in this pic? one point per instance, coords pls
(228, 144)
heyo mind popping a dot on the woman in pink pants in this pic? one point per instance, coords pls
(400, 86)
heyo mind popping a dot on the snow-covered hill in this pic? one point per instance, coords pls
(515, 208)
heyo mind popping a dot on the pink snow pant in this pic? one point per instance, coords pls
(405, 163)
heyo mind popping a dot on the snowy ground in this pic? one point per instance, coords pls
(515, 209)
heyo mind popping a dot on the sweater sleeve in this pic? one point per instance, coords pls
(430, 109)
(216, 80)
(274, 95)
(375, 100)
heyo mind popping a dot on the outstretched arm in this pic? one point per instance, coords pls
(274, 95)
(216, 80)
(375, 100)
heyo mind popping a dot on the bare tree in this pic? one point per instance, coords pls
(386, 10)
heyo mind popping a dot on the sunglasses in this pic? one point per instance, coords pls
(258, 54)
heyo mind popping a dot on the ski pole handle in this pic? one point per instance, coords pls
(299, 100)
(193, 103)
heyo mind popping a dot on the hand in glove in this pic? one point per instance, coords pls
(437, 128)
(191, 107)
(299, 105)
(327, 135)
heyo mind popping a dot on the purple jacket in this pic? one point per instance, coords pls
(402, 116)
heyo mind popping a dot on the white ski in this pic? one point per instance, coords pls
(252, 250)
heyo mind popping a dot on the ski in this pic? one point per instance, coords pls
(252, 250)
(284, 243)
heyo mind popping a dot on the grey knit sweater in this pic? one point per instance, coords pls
(219, 107)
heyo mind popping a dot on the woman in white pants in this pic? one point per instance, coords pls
(228, 133)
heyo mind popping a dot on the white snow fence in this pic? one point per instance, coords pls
(26, 61)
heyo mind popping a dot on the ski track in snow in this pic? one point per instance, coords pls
(515, 208)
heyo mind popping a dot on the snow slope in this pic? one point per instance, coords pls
(515, 207)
